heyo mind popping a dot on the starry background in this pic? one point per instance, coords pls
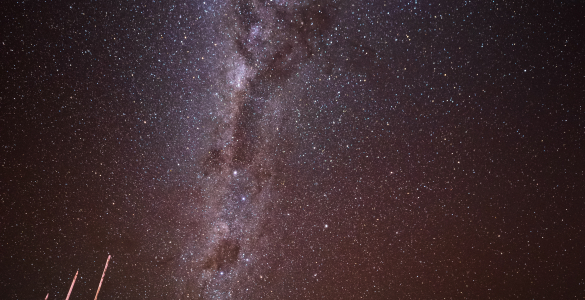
(423, 149)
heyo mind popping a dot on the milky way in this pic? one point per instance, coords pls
(265, 43)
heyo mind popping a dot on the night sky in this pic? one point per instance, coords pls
(273, 149)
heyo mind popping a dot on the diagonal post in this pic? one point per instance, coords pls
(103, 275)
(71, 288)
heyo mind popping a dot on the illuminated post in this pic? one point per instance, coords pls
(72, 283)
(103, 275)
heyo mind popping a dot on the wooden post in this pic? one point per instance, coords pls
(103, 275)
(72, 283)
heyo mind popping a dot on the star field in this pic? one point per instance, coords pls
(292, 150)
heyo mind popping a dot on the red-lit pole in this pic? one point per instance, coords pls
(103, 275)
(72, 283)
